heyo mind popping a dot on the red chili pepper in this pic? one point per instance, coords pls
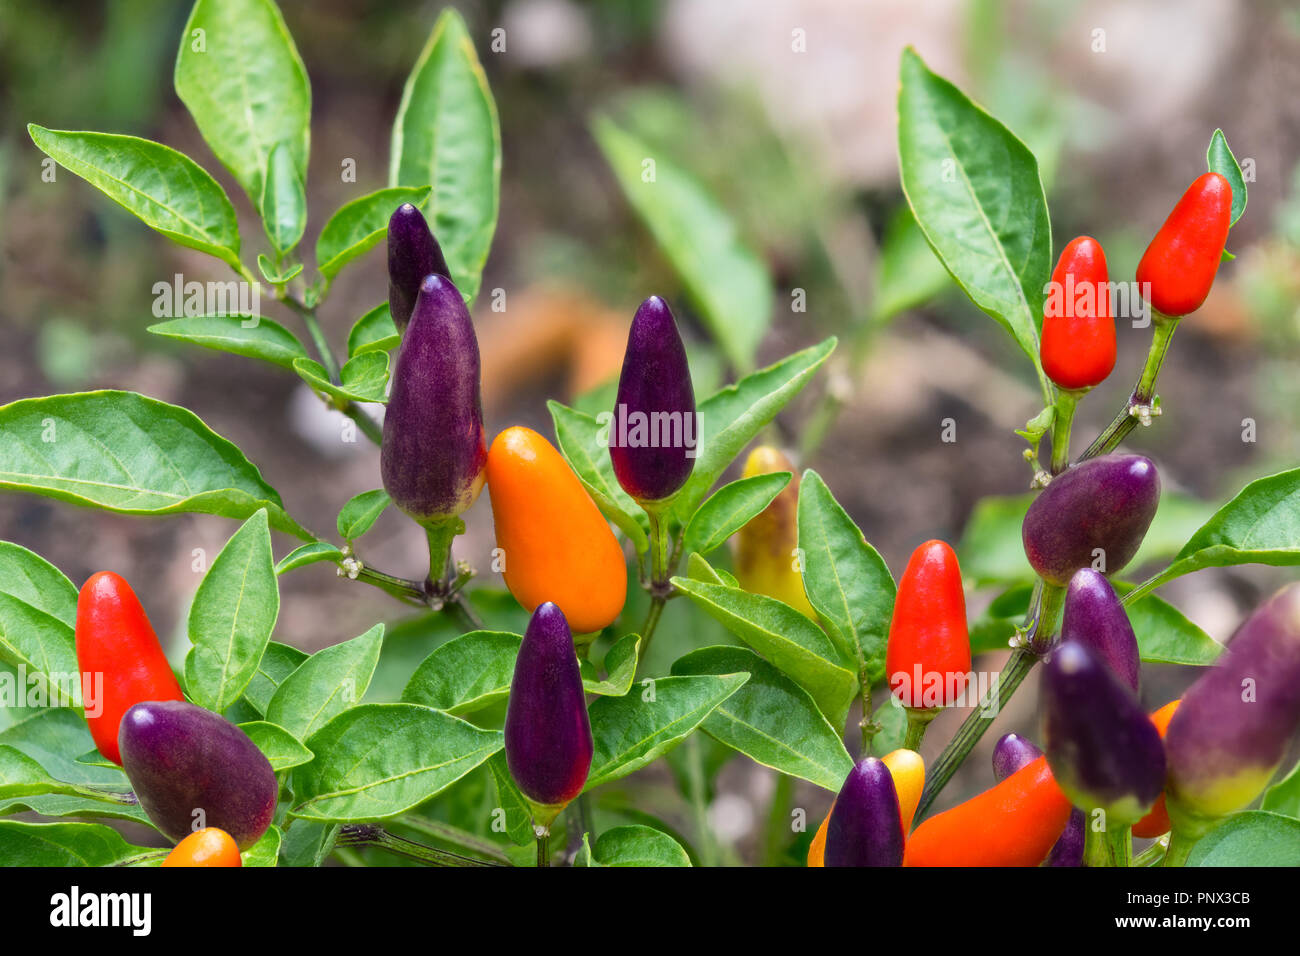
(1078, 347)
(120, 658)
(1179, 266)
(928, 639)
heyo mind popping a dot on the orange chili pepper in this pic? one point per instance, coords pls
(1156, 822)
(207, 847)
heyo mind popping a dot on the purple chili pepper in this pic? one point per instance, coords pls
(413, 253)
(865, 828)
(1095, 618)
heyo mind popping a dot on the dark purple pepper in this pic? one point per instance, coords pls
(1012, 752)
(413, 253)
(865, 828)
(1095, 618)
(181, 759)
(654, 434)
(1236, 722)
(434, 449)
(548, 735)
(1101, 505)
(1101, 745)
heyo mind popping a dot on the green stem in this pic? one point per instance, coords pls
(1143, 393)
(1180, 848)
(660, 572)
(973, 728)
(543, 846)
(441, 534)
(1096, 847)
(699, 801)
(1066, 402)
(918, 720)
(1051, 601)
(867, 724)
(1150, 856)
(1121, 845)
(366, 834)
(455, 836)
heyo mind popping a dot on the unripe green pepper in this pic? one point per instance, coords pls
(1235, 724)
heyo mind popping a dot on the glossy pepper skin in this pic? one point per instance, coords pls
(434, 449)
(1094, 617)
(1012, 752)
(907, 770)
(206, 847)
(928, 634)
(556, 544)
(653, 462)
(1156, 822)
(413, 253)
(120, 659)
(181, 758)
(1105, 503)
(1178, 268)
(1101, 745)
(547, 733)
(1078, 343)
(1015, 823)
(865, 827)
(764, 549)
(1235, 723)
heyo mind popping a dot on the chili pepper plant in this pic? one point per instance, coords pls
(533, 733)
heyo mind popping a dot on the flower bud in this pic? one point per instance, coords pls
(653, 437)
(865, 828)
(413, 253)
(1095, 618)
(1235, 723)
(434, 449)
(1102, 748)
(1097, 510)
(548, 735)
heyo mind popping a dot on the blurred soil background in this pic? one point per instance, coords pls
(799, 147)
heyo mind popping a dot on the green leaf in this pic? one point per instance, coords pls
(1284, 796)
(699, 569)
(165, 189)
(518, 815)
(729, 419)
(1219, 159)
(1254, 838)
(908, 273)
(796, 645)
(278, 662)
(578, 436)
(726, 280)
(134, 455)
(38, 614)
(263, 339)
(620, 666)
(373, 332)
(359, 225)
(64, 844)
(284, 201)
(21, 776)
(280, 746)
(240, 76)
(771, 719)
(361, 512)
(446, 134)
(306, 843)
(978, 198)
(638, 846)
(308, 554)
(379, 760)
(845, 578)
(232, 617)
(466, 673)
(634, 730)
(730, 508)
(326, 684)
(266, 851)
(363, 379)
(273, 275)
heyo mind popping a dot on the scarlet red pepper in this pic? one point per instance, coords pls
(1178, 268)
(207, 847)
(119, 656)
(1078, 345)
(928, 638)
(1015, 823)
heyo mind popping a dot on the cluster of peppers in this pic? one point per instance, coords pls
(1110, 770)
(1187, 766)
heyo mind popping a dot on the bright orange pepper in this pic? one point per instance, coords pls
(908, 770)
(557, 545)
(206, 847)
(1015, 823)
(1156, 822)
